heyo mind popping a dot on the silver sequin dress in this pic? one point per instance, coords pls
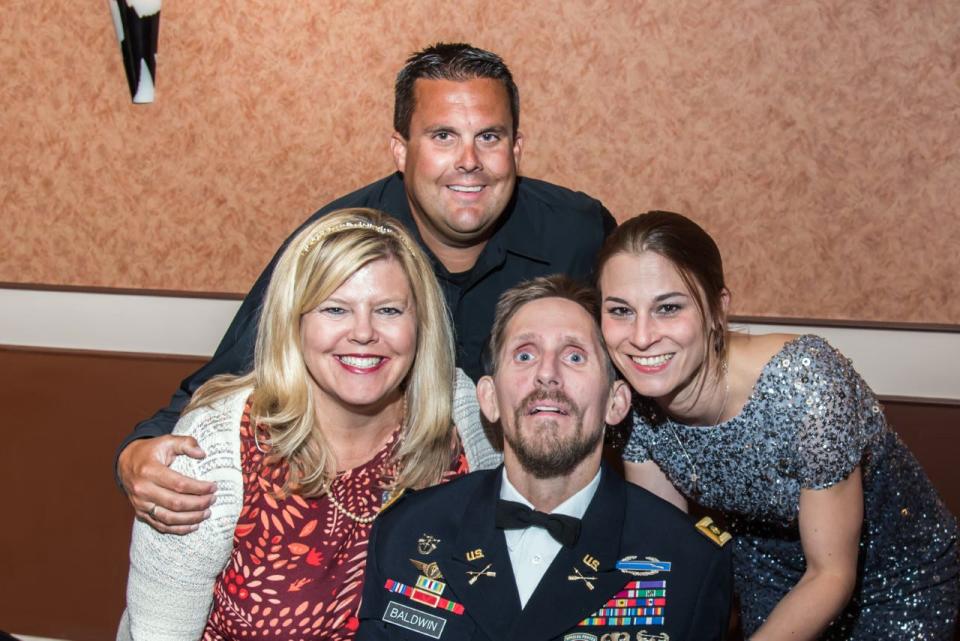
(808, 422)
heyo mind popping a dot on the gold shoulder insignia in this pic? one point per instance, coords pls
(709, 529)
(394, 497)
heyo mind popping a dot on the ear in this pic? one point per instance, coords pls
(517, 149)
(398, 147)
(725, 302)
(487, 396)
(618, 404)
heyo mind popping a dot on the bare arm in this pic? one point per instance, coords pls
(830, 521)
(179, 503)
(650, 477)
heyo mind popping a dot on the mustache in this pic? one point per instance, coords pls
(556, 396)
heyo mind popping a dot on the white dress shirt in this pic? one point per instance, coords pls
(532, 550)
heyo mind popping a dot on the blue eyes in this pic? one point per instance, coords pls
(573, 357)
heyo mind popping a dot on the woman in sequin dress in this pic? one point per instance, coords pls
(350, 402)
(838, 532)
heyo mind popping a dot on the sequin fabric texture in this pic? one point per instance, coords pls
(808, 422)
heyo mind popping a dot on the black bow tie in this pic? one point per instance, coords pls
(517, 516)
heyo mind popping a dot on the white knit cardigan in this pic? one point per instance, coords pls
(170, 586)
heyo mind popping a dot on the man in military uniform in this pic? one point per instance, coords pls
(553, 545)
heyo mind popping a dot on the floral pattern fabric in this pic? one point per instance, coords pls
(296, 570)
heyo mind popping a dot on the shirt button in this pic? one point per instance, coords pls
(537, 559)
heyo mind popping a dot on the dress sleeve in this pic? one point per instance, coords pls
(481, 454)
(637, 449)
(837, 414)
(170, 585)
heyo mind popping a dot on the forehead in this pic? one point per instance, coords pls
(436, 98)
(647, 270)
(381, 276)
(550, 321)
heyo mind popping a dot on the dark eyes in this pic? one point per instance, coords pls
(669, 309)
(619, 311)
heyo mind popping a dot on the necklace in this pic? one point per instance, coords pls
(694, 476)
(359, 518)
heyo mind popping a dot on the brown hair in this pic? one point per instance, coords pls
(695, 256)
(555, 286)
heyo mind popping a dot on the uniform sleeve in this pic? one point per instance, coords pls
(481, 454)
(712, 612)
(171, 579)
(371, 627)
(637, 449)
(838, 414)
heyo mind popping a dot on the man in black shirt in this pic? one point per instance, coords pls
(457, 148)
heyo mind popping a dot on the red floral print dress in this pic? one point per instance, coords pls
(296, 570)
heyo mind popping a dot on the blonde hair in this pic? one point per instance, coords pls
(316, 262)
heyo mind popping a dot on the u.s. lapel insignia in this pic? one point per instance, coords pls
(631, 565)
(709, 529)
(577, 576)
(476, 574)
(430, 570)
(427, 544)
(591, 562)
(475, 555)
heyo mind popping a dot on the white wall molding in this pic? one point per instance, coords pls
(895, 362)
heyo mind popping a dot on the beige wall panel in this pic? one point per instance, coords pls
(817, 140)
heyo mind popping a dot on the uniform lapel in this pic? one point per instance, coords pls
(560, 602)
(480, 554)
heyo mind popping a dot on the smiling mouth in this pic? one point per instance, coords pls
(466, 189)
(361, 362)
(651, 361)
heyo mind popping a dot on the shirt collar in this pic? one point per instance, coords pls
(575, 506)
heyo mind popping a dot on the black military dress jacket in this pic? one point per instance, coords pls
(438, 568)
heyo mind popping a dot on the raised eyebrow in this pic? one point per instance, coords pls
(616, 299)
(668, 295)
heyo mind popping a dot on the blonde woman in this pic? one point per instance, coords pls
(350, 403)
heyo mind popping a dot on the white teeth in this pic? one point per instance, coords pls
(363, 362)
(547, 408)
(652, 361)
(474, 189)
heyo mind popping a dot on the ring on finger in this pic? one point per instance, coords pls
(153, 511)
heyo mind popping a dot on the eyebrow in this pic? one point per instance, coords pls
(567, 339)
(657, 299)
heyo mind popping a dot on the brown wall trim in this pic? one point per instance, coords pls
(847, 323)
(96, 353)
(122, 291)
(762, 320)
(912, 400)
(915, 400)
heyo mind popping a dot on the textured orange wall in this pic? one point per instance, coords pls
(817, 140)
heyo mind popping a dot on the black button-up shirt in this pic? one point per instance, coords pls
(546, 229)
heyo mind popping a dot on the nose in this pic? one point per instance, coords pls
(548, 372)
(362, 331)
(469, 160)
(645, 332)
